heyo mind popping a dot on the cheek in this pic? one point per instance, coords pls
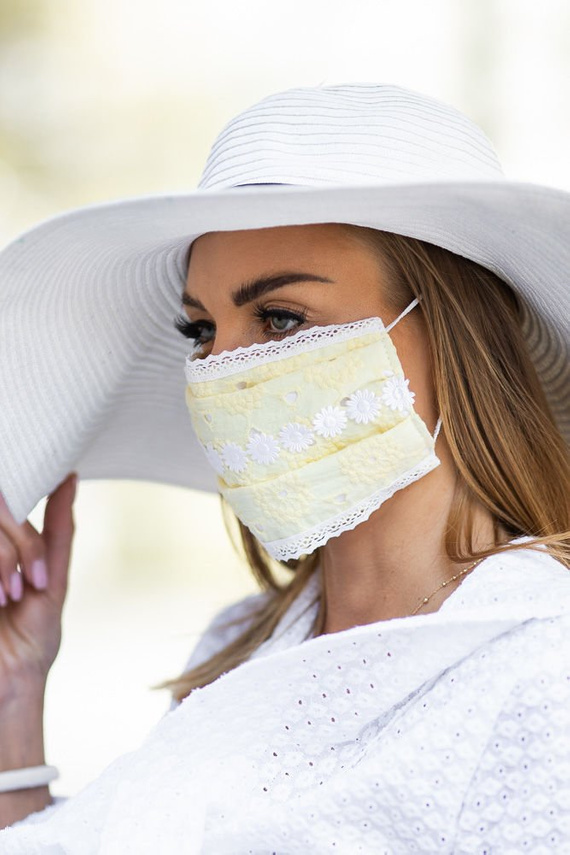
(363, 302)
(415, 356)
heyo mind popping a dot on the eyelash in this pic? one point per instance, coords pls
(192, 329)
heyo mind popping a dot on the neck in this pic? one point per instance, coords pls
(384, 567)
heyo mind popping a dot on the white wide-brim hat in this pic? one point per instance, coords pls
(92, 369)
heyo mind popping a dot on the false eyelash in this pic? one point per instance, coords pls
(189, 329)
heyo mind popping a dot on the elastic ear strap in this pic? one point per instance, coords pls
(437, 429)
(409, 308)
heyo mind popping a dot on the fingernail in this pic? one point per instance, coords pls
(3, 600)
(39, 574)
(16, 589)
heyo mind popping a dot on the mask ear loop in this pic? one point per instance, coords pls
(409, 308)
(437, 429)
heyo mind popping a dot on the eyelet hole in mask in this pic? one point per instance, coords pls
(291, 397)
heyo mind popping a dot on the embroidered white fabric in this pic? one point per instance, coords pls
(447, 733)
(362, 406)
(308, 541)
(230, 362)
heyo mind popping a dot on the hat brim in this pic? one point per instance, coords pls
(93, 369)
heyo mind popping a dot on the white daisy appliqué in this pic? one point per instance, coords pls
(330, 421)
(362, 406)
(396, 395)
(263, 448)
(234, 457)
(296, 437)
(214, 458)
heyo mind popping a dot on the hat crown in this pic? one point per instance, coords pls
(358, 133)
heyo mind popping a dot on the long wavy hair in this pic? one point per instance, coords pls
(509, 454)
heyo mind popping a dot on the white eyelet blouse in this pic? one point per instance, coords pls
(445, 732)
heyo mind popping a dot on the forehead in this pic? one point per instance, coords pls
(312, 234)
(241, 266)
(253, 250)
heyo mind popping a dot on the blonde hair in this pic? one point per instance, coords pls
(509, 454)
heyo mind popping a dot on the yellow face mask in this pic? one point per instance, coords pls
(309, 434)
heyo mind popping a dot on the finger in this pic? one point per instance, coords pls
(58, 531)
(29, 547)
(10, 578)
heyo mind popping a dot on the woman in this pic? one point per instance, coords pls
(387, 417)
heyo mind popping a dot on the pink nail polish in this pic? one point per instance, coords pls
(16, 588)
(39, 574)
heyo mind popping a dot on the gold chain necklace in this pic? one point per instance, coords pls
(320, 618)
(445, 584)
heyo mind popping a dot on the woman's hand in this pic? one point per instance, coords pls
(31, 602)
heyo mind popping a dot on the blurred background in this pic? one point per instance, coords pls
(101, 99)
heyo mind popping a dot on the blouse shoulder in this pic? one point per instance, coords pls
(518, 798)
(225, 627)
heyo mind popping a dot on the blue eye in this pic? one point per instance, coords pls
(280, 315)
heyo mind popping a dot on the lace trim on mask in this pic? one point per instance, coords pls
(230, 362)
(308, 541)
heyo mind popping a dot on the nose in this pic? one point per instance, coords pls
(230, 339)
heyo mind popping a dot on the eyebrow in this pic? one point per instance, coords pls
(255, 288)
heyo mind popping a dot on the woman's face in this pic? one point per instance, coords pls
(239, 292)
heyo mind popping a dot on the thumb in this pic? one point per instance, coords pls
(58, 531)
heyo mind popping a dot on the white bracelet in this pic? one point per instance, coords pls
(22, 779)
